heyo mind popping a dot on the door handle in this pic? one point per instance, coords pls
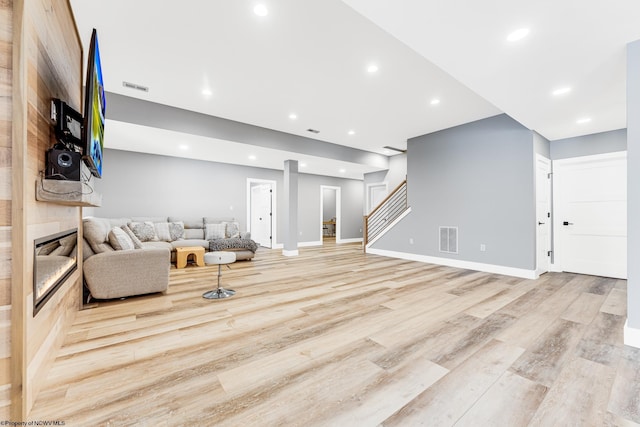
(567, 223)
(540, 223)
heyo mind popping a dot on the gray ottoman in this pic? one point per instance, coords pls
(219, 259)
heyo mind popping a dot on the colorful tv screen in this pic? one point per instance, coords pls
(94, 110)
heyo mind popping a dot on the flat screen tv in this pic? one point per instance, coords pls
(94, 110)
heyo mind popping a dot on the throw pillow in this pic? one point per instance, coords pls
(162, 231)
(232, 229)
(136, 242)
(145, 231)
(120, 240)
(214, 231)
(176, 230)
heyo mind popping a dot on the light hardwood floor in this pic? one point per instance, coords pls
(335, 337)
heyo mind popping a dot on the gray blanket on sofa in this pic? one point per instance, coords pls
(222, 244)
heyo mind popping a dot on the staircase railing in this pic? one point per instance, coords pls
(385, 213)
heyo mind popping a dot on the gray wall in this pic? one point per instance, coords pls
(587, 145)
(541, 145)
(480, 178)
(633, 184)
(393, 176)
(138, 184)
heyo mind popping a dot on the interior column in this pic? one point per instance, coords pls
(290, 208)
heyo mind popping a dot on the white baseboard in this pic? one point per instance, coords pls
(469, 265)
(631, 335)
(355, 240)
(290, 253)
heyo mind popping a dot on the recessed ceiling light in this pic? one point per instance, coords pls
(387, 152)
(372, 68)
(293, 116)
(303, 165)
(343, 170)
(207, 92)
(260, 10)
(518, 35)
(352, 132)
(252, 157)
(561, 91)
(183, 147)
(583, 120)
(435, 101)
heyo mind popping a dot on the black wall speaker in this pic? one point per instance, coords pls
(63, 164)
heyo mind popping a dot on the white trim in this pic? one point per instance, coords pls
(389, 227)
(354, 240)
(468, 265)
(338, 209)
(274, 202)
(631, 335)
(290, 253)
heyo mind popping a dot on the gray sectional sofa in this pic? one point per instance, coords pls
(132, 256)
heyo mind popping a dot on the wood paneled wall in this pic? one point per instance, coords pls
(47, 63)
(5, 206)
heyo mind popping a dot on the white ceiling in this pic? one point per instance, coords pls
(310, 57)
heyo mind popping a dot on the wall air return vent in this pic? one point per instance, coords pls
(449, 240)
(135, 86)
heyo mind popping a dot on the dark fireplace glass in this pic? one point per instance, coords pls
(54, 259)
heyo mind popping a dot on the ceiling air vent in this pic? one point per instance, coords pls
(313, 131)
(449, 240)
(135, 86)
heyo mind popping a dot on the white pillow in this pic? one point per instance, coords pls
(162, 231)
(214, 231)
(120, 240)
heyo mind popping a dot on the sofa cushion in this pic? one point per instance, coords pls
(193, 233)
(148, 219)
(214, 231)
(137, 244)
(190, 242)
(145, 231)
(157, 244)
(120, 240)
(189, 222)
(96, 232)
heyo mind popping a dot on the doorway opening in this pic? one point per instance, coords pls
(330, 214)
(261, 211)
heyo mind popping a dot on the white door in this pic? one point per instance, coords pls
(591, 220)
(543, 214)
(261, 203)
(375, 194)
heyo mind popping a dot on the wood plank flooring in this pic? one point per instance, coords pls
(336, 337)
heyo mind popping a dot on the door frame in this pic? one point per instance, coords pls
(274, 204)
(558, 246)
(549, 221)
(338, 210)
